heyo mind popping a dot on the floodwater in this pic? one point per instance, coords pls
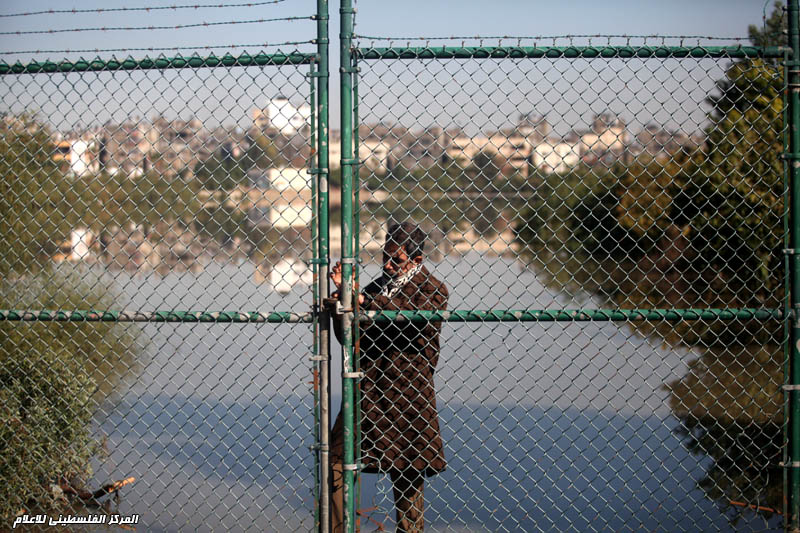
(547, 426)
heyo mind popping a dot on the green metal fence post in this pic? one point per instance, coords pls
(793, 85)
(349, 375)
(322, 257)
(356, 274)
(312, 164)
(787, 308)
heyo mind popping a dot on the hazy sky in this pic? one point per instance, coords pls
(406, 18)
(409, 18)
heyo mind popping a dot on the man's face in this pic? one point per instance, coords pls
(395, 260)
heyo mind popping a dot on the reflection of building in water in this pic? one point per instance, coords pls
(292, 206)
(283, 178)
(289, 272)
(292, 212)
(77, 247)
(80, 240)
(282, 201)
(259, 178)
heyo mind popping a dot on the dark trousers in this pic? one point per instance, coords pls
(409, 501)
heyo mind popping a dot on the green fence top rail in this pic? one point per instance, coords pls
(528, 315)
(152, 316)
(608, 52)
(104, 65)
(574, 315)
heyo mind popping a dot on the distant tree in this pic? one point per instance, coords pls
(732, 198)
(483, 171)
(729, 201)
(29, 179)
(774, 30)
(221, 173)
(263, 154)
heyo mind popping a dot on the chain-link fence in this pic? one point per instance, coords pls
(607, 216)
(593, 340)
(158, 281)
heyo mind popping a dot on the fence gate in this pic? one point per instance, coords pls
(159, 252)
(607, 215)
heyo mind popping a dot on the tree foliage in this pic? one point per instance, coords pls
(52, 375)
(27, 191)
(773, 30)
(221, 173)
(700, 229)
(262, 154)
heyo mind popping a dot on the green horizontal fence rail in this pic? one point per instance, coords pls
(161, 63)
(472, 315)
(570, 52)
(573, 315)
(157, 316)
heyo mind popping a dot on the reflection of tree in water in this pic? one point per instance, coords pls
(731, 411)
(729, 402)
(482, 212)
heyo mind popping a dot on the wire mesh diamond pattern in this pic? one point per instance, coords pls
(149, 192)
(620, 208)
(570, 177)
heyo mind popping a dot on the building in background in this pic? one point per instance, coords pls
(607, 141)
(282, 117)
(558, 157)
(80, 156)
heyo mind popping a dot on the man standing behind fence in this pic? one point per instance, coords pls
(399, 422)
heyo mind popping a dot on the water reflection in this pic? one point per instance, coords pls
(554, 426)
(730, 411)
(728, 397)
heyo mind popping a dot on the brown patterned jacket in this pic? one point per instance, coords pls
(400, 423)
